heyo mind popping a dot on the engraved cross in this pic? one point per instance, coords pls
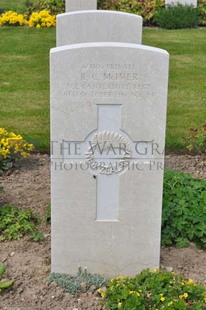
(108, 153)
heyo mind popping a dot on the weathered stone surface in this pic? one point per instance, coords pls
(106, 205)
(78, 5)
(98, 26)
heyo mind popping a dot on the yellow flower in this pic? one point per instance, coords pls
(2, 131)
(30, 147)
(4, 153)
(170, 303)
(184, 296)
(12, 18)
(42, 19)
(134, 293)
(190, 282)
(101, 292)
(12, 144)
(156, 269)
(24, 154)
(162, 298)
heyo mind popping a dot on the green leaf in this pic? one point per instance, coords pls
(6, 284)
(182, 242)
(37, 237)
(184, 210)
(2, 270)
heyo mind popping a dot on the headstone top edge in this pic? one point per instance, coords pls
(99, 12)
(109, 44)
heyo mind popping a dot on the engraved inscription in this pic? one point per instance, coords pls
(103, 143)
(109, 80)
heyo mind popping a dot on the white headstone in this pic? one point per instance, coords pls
(108, 115)
(98, 26)
(78, 5)
(182, 2)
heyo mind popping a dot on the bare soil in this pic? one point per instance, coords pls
(28, 263)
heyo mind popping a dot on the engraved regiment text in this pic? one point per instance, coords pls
(109, 80)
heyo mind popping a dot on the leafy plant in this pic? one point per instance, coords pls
(2, 11)
(12, 148)
(184, 210)
(148, 8)
(11, 18)
(37, 236)
(54, 6)
(13, 5)
(79, 283)
(197, 139)
(154, 290)
(202, 12)
(43, 18)
(177, 17)
(145, 8)
(4, 284)
(16, 222)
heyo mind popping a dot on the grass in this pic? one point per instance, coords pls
(24, 81)
(13, 5)
(187, 91)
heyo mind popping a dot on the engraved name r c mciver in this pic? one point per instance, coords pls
(110, 76)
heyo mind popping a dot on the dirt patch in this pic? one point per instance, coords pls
(29, 186)
(28, 263)
(194, 165)
(191, 262)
